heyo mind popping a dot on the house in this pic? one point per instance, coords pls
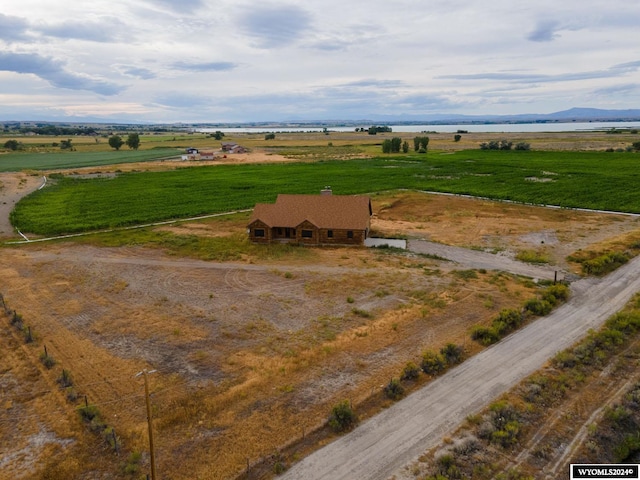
(207, 155)
(323, 219)
(230, 147)
(192, 151)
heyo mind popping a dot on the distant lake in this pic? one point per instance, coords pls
(493, 127)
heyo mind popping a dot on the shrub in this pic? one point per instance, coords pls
(394, 389)
(484, 335)
(556, 293)
(72, 395)
(433, 363)
(65, 380)
(505, 421)
(110, 437)
(89, 412)
(133, 463)
(532, 256)
(604, 264)
(465, 274)
(452, 353)
(342, 417)
(16, 320)
(410, 371)
(47, 360)
(28, 335)
(538, 307)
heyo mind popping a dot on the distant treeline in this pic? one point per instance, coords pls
(53, 130)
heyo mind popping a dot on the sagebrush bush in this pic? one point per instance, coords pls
(394, 389)
(410, 371)
(538, 307)
(452, 353)
(342, 417)
(433, 363)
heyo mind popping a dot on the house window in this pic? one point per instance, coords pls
(258, 232)
(350, 234)
(330, 233)
(307, 233)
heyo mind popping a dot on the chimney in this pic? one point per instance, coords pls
(326, 191)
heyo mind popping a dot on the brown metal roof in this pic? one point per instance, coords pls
(324, 211)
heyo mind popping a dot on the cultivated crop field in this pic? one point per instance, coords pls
(253, 345)
(594, 180)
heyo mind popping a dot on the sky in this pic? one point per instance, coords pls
(208, 61)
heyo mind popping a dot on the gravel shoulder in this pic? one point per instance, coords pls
(382, 446)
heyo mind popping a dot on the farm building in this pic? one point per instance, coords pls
(230, 147)
(323, 219)
(207, 155)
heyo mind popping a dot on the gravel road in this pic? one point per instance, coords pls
(477, 259)
(384, 445)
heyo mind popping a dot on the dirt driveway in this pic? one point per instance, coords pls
(381, 447)
(14, 186)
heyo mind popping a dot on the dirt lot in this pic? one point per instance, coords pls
(249, 355)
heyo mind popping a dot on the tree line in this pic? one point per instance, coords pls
(133, 141)
(395, 145)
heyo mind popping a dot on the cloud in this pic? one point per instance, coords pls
(627, 89)
(205, 66)
(612, 72)
(104, 30)
(275, 26)
(13, 28)
(375, 83)
(137, 72)
(545, 31)
(53, 72)
(182, 100)
(179, 6)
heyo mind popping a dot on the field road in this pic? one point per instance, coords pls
(385, 444)
(468, 258)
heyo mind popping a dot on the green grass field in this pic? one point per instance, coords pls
(53, 161)
(595, 180)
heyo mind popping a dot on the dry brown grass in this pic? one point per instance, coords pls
(248, 359)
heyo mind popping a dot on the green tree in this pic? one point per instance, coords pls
(218, 135)
(457, 137)
(405, 147)
(12, 145)
(396, 144)
(270, 136)
(636, 146)
(115, 141)
(420, 143)
(66, 144)
(375, 129)
(386, 146)
(133, 141)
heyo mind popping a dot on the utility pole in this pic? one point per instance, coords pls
(146, 396)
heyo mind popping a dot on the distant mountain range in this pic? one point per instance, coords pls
(571, 115)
